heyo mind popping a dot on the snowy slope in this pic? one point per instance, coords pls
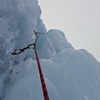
(69, 74)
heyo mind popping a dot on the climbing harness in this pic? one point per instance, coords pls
(18, 51)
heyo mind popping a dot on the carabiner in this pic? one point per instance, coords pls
(16, 51)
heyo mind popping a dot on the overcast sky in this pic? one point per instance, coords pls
(78, 19)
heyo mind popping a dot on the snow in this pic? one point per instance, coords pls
(69, 74)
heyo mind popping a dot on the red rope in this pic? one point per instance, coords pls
(44, 89)
(18, 51)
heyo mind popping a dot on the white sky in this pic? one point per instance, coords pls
(78, 19)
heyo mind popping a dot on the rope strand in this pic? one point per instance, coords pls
(44, 89)
(18, 51)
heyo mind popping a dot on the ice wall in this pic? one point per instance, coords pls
(18, 19)
(70, 74)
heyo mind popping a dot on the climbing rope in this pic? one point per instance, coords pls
(44, 89)
(18, 51)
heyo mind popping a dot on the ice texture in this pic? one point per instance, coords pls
(69, 74)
